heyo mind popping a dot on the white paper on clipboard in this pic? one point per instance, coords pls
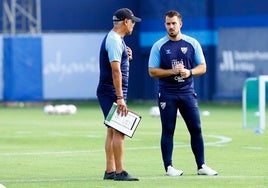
(125, 124)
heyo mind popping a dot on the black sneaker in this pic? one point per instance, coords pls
(124, 176)
(108, 176)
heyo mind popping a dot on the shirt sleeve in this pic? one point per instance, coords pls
(154, 58)
(114, 49)
(199, 55)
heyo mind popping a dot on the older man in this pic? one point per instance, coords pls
(113, 86)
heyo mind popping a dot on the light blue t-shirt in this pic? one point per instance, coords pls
(113, 48)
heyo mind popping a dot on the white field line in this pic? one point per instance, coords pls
(72, 152)
(221, 140)
(194, 177)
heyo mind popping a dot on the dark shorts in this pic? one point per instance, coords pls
(106, 103)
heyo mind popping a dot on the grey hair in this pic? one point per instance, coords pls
(117, 22)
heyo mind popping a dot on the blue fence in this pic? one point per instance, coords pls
(69, 57)
(22, 69)
(50, 67)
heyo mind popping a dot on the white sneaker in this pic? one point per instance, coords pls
(173, 172)
(205, 170)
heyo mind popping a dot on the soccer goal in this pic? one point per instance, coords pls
(254, 103)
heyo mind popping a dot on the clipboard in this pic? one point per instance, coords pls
(125, 124)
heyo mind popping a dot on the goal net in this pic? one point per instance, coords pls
(254, 97)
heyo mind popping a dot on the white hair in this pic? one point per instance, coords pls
(116, 21)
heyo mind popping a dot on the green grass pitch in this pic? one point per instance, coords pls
(59, 151)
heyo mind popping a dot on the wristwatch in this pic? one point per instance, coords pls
(191, 72)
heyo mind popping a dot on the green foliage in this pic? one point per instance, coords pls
(59, 151)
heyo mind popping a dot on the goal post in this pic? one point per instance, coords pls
(262, 100)
(254, 103)
(250, 101)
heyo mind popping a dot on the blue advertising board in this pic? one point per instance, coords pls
(71, 65)
(242, 53)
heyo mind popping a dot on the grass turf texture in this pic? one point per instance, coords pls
(60, 151)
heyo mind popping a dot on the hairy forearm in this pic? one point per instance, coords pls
(200, 69)
(160, 73)
(117, 81)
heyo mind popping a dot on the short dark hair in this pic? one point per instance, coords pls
(173, 13)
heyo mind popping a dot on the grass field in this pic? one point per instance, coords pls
(59, 151)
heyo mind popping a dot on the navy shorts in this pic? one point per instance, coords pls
(106, 103)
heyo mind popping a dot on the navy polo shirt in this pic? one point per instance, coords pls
(165, 53)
